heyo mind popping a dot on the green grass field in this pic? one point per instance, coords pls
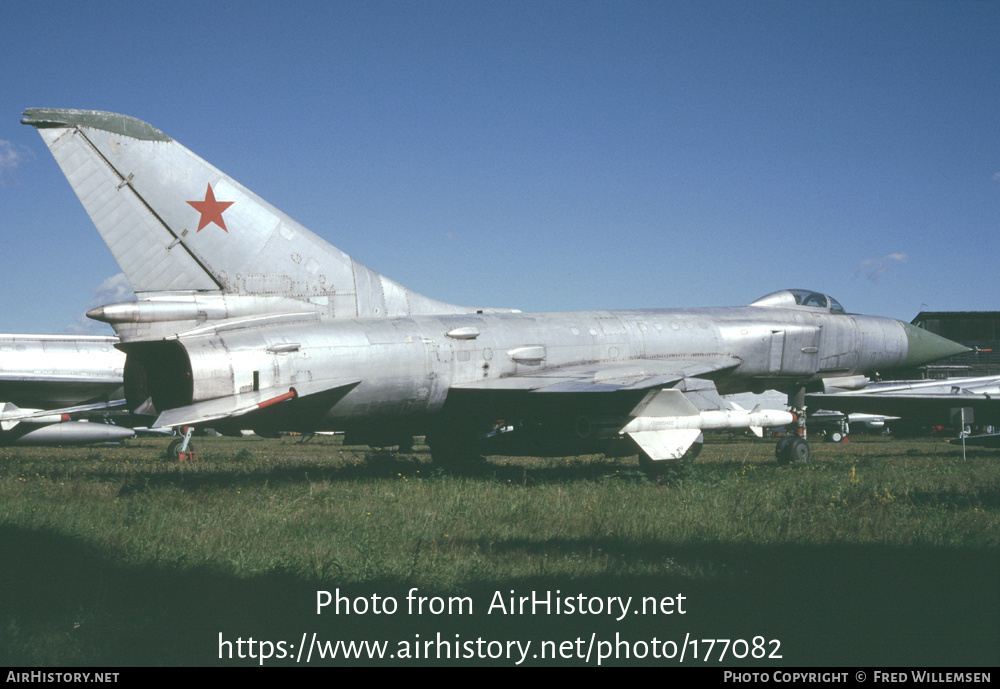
(879, 552)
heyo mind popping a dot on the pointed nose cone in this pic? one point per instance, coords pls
(925, 347)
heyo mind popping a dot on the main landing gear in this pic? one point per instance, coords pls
(793, 449)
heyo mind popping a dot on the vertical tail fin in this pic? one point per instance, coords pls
(178, 226)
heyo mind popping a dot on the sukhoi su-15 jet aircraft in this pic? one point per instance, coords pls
(246, 319)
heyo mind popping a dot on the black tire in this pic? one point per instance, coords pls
(174, 449)
(781, 449)
(794, 451)
(800, 451)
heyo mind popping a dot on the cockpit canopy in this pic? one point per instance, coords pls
(797, 298)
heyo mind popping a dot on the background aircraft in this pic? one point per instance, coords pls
(244, 317)
(952, 402)
(48, 381)
(832, 425)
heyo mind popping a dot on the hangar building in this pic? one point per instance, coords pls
(977, 329)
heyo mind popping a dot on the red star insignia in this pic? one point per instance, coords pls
(211, 210)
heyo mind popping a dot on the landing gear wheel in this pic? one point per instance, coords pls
(835, 436)
(791, 450)
(174, 449)
(781, 449)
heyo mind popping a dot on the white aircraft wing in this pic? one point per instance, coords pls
(659, 403)
(11, 412)
(11, 415)
(906, 405)
(247, 402)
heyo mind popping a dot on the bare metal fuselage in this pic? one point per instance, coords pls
(48, 371)
(407, 366)
(246, 318)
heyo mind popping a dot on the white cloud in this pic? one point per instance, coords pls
(113, 290)
(873, 268)
(11, 157)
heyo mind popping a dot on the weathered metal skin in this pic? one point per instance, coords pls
(407, 366)
(65, 433)
(46, 372)
(49, 371)
(245, 318)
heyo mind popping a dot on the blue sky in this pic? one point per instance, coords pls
(542, 155)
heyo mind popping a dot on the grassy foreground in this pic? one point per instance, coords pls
(879, 552)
